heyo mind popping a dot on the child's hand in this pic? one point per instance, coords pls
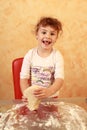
(24, 99)
(42, 93)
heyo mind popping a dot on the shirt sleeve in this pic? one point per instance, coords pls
(59, 65)
(25, 69)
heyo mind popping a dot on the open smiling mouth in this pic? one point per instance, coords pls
(46, 42)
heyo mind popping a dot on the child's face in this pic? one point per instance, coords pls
(47, 36)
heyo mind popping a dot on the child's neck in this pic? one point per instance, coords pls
(43, 52)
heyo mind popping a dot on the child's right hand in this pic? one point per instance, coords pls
(24, 99)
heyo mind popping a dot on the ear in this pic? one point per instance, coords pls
(36, 36)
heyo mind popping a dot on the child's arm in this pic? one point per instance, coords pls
(46, 92)
(24, 83)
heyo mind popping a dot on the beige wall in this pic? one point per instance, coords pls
(17, 20)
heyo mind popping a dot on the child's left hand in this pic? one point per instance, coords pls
(42, 93)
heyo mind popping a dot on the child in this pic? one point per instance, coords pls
(44, 65)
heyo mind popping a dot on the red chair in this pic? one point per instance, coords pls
(16, 68)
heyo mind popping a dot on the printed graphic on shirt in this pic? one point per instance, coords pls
(42, 76)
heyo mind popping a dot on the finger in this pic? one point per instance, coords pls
(38, 92)
(24, 99)
(40, 96)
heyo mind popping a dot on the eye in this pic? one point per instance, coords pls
(52, 34)
(43, 32)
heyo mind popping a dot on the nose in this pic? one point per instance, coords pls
(48, 35)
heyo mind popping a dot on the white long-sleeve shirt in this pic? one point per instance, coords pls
(42, 71)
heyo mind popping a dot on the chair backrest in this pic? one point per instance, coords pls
(16, 68)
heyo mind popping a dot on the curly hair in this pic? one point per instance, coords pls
(48, 21)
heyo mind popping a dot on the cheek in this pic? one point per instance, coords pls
(39, 36)
(54, 39)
